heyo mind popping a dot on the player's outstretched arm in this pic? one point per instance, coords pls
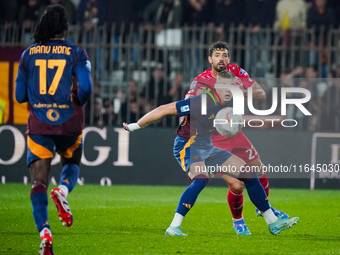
(153, 116)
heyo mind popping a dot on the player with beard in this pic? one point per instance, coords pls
(239, 145)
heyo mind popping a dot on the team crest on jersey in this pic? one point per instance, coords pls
(52, 115)
(244, 72)
(193, 85)
(185, 108)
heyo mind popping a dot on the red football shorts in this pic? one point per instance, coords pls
(239, 145)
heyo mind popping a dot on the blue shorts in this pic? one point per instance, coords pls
(42, 146)
(187, 154)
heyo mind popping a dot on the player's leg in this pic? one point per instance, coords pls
(244, 149)
(196, 172)
(235, 196)
(235, 201)
(199, 178)
(257, 164)
(39, 157)
(70, 149)
(257, 194)
(235, 192)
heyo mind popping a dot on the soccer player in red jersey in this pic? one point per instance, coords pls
(239, 145)
(54, 78)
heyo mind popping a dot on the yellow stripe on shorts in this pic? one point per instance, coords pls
(182, 155)
(69, 152)
(38, 149)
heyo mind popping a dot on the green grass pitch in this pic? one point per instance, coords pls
(133, 219)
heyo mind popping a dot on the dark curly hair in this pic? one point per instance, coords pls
(218, 46)
(53, 22)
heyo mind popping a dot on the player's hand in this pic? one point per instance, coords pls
(126, 126)
(131, 127)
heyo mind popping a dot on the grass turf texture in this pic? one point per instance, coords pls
(133, 219)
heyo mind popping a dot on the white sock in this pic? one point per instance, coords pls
(269, 216)
(177, 221)
(64, 189)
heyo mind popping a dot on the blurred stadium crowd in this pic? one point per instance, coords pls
(298, 14)
(146, 52)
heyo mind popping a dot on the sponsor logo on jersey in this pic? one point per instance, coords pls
(212, 116)
(193, 85)
(244, 72)
(185, 108)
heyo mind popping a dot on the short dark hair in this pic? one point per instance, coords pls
(53, 22)
(226, 75)
(219, 45)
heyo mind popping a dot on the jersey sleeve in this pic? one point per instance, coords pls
(189, 106)
(83, 73)
(21, 81)
(183, 107)
(245, 78)
(192, 90)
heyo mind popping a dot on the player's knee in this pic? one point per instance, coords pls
(236, 186)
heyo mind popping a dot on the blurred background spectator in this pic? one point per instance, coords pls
(176, 91)
(259, 14)
(227, 12)
(8, 12)
(163, 13)
(131, 108)
(291, 14)
(330, 118)
(124, 16)
(91, 13)
(320, 19)
(320, 15)
(197, 12)
(70, 9)
(157, 89)
(29, 14)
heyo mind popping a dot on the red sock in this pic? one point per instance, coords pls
(264, 182)
(235, 201)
